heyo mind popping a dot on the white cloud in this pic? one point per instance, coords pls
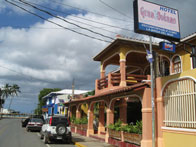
(57, 55)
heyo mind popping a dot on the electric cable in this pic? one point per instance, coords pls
(30, 77)
(49, 13)
(92, 26)
(57, 23)
(82, 18)
(88, 11)
(115, 9)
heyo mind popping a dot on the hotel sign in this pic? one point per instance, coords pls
(156, 20)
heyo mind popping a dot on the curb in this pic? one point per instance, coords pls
(79, 145)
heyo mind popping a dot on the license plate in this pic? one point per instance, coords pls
(35, 125)
(59, 137)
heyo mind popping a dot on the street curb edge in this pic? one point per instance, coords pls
(79, 145)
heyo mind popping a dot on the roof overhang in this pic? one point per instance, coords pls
(123, 90)
(120, 41)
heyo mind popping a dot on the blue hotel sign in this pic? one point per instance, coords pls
(167, 46)
(156, 20)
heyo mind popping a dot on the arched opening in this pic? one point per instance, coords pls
(134, 107)
(180, 103)
(176, 62)
(164, 66)
(136, 62)
(112, 64)
(84, 110)
(73, 111)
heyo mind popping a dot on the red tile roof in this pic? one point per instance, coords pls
(110, 92)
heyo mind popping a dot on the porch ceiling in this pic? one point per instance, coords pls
(136, 59)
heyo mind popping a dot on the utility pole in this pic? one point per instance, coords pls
(152, 94)
(73, 86)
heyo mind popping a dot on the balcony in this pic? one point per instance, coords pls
(113, 80)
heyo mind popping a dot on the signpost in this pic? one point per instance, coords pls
(158, 21)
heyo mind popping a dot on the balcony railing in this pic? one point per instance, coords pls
(114, 80)
(134, 79)
(103, 83)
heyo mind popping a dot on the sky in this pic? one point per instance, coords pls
(37, 54)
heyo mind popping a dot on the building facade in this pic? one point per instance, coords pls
(127, 90)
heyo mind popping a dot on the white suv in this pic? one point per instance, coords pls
(56, 128)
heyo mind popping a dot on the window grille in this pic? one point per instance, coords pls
(177, 64)
(180, 104)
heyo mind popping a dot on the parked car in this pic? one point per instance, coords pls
(25, 121)
(56, 128)
(34, 124)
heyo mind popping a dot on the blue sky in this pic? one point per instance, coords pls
(36, 54)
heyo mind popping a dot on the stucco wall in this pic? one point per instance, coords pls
(179, 139)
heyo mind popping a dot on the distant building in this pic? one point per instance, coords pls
(55, 101)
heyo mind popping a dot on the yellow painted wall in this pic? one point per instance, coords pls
(179, 140)
(188, 73)
(186, 62)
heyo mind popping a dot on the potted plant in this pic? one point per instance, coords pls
(132, 133)
(115, 130)
(84, 122)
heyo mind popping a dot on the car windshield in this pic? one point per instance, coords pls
(36, 120)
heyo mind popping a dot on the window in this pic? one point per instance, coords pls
(180, 104)
(193, 57)
(164, 66)
(176, 64)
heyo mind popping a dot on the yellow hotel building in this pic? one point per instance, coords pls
(129, 86)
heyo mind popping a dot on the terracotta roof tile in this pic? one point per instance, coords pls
(110, 92)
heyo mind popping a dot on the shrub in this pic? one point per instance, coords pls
(117, 126)
(127, 128)
(84, 120)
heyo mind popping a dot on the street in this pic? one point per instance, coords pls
(13, 135)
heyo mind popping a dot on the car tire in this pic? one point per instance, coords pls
(41, 136)
(45, 139)
(61, 129)
(69, 140)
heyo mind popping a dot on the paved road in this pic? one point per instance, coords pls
(13, 135)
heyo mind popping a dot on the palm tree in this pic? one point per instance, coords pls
(14, 90)
(4, 94)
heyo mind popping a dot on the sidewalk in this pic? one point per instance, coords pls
(83, 141)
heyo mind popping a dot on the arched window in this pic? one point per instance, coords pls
(164, 66)
(180, 104)
(176, 64)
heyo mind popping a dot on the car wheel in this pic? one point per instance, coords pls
(45, 139)
(41, 136)
(69, 140)
(61, 129)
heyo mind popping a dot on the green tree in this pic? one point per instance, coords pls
(7, 91)
(41, 101)
(14, 90)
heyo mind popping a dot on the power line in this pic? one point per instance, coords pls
(115, 9)
(88, 11)
(26, 27)
(45, 28)
(31, 78)
(92, 26)
(49, 13)
(82, 18)
(57, 23)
